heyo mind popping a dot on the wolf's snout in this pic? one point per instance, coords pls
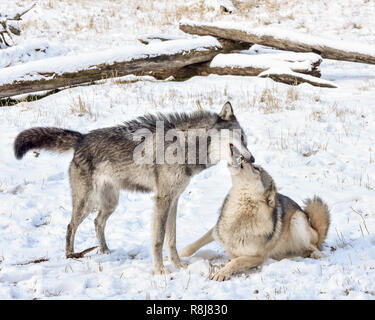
(248, 157)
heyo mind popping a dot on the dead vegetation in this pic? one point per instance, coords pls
(81, 107)
(271, 100)
(8, 28)
(40, 260)
(78, 255)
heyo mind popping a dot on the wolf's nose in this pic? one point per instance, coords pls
(252, 159)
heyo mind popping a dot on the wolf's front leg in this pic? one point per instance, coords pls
(162, 206)
(239, 264)
(193, 247)
(170, 237)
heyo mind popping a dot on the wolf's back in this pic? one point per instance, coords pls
(318, 213)
(52, 139)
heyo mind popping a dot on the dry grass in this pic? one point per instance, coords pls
(50, 4)
(269, 101)
(269, 8)
(291, 95)
(368, 85)
(364, 181)
(317, 116)
(199, 106)
(81, 107)
(371, 158)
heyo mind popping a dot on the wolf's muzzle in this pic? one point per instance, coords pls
(248, 157)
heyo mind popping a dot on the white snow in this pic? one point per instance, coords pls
(312, 141)
(30, 51)
(290, 60)
(156, 37)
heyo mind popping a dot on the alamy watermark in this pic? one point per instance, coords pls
(190, 146)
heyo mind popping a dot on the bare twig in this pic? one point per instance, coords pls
(81, 254)
(9, 29)
(17, 16)
(32, 261)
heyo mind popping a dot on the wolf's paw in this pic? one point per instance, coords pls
(105, 251)
(221, 275)
(180, 265)
(161, 270)
(317, 255)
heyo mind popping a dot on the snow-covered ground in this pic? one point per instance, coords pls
(311, 140)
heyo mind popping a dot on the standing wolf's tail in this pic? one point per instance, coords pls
(318, 213)
(53, 139)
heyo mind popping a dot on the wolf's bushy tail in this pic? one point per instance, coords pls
(318, 213)
(53, 139)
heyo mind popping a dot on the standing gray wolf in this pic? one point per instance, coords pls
(256, 222)
(103, 164)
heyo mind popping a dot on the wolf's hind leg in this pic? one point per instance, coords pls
(193, 247)
(238, 264)
(82, 203)
(81, 209)
(108, 200)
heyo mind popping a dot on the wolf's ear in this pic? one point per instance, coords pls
(271, 197)
(226, 112)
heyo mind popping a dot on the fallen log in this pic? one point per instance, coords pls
(253, 65)
(285, 40)
(161, 59)
(288, 76)
(227, 44)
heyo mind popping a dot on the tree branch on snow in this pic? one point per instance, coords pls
(286, 75)
(9, 29)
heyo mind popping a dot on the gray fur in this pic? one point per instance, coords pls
(103, 164)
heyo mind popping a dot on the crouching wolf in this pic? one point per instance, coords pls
(256, 222)
(104, 163)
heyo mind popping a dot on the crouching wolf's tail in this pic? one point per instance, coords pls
(318, 213)
(53, 139)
